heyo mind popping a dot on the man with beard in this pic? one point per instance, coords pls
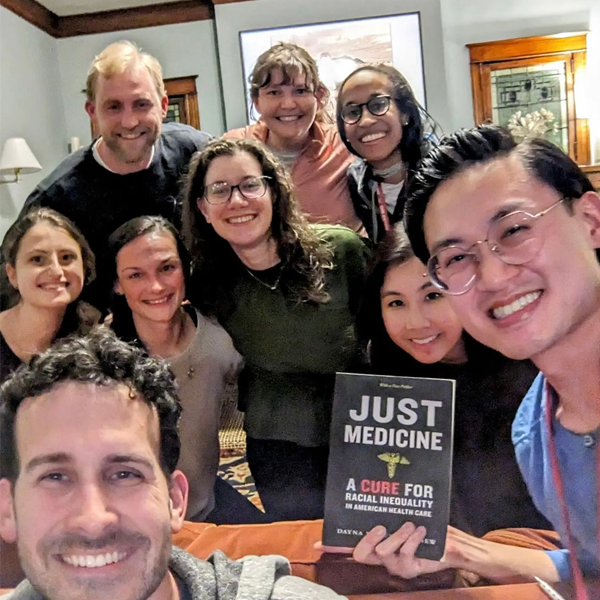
(136, 164)
(89, 489)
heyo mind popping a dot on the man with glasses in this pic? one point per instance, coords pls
(511, 234)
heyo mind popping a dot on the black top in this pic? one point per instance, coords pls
(488, 491)
(98, 200)
(9, 361)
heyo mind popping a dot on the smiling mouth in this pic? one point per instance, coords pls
(54, 287)
(159, 301)
(501, 312)
(242, 219)
(423, 341)
(372, 137)
(289, 119)
(93, 561)
(130, 136)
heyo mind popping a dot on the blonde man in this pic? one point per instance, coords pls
(135, 165)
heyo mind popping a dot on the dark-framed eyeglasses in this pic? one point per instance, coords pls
(250, 188)
(377, 106)
(514, 238)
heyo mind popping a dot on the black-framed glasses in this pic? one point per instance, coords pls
(377, 106)
(513, 238)
(250, 188)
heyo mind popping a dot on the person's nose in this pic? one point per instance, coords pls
(129, 118)
(92, 513)
(156, 285)
(416, 319)
(236, 199)
(55, 267)
(366, 118)
(288, 101)
(492, 271)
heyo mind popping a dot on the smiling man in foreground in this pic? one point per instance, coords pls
(511, 234)
(90, 492)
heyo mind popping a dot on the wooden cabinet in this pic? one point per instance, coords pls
(183, 101)
(530, 83)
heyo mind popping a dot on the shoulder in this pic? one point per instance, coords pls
(257, 131)
(529, 418)
(178, 135)
(342, 240)
(295, 588)
(67, 173)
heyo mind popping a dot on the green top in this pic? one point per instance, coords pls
(292, 350)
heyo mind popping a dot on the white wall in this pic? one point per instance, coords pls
(183, 49)
(471, 21)
(236, 17)
(31, 105)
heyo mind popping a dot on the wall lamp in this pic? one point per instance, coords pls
(17, 158)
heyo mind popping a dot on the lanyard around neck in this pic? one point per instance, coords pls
(580, 589)
(383, 207)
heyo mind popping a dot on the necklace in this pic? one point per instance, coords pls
(271, 287)
(389, 171)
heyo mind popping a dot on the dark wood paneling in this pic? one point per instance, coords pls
(36, 14)
(134, 18)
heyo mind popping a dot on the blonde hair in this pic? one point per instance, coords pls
(291, 60)
(118, 58)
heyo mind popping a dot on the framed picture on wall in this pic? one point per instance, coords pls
(339, 47)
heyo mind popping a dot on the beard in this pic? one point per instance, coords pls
(148, 569)
(132, 152)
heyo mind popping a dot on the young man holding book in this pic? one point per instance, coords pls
(511, 234)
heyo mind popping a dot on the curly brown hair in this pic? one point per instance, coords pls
(305, 257)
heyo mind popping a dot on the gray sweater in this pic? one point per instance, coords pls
(219, 578)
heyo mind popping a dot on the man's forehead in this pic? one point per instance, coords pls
(78, 409)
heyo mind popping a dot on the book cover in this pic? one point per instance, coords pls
(390, 458)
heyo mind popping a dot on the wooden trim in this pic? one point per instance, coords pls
(153, 15)
(215, 2)
(177, 86)
(526, 47)
(593, 174)
(36, 14)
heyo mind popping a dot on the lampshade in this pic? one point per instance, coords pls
(16, 155)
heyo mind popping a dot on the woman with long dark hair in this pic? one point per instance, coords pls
(287, 292)
(151, 268)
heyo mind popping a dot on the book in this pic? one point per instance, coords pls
(390, 458)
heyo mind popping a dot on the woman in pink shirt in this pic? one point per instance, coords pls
(286, 90)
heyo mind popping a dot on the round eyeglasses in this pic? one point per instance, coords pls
(250, 188)
(377, 106)
(514, 238)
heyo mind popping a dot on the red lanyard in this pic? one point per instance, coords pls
(580, 590)
(383, 208)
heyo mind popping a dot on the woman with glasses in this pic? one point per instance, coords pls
(408, 327)
(380, 121)
(291, 99)
(150, 270)
(287, 292)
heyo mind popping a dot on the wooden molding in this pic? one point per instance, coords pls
(153, 15)
(134, 18)
(36, 14)
(526, 47)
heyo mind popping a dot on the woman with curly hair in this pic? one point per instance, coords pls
(287, 292)
(287, 92)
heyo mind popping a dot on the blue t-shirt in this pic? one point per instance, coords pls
(578, 463)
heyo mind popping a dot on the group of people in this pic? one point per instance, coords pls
(274, 258)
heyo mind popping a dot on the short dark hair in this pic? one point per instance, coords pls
(467, 147)
(122, 318)
(100, 359)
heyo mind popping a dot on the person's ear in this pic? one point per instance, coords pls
(117, 288)
(588, 209)
(201, 204)
(164, 105)
(8, 522)
(320, 95)
(90, 109)
(11, 273)
(178, 498)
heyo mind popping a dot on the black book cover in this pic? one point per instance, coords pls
(390, 458)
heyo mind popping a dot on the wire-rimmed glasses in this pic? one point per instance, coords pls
(250, 188)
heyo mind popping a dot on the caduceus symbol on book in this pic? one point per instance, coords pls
(393, 459)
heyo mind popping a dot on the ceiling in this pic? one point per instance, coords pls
(64, 8)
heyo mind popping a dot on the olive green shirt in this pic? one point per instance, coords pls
(293, 350)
